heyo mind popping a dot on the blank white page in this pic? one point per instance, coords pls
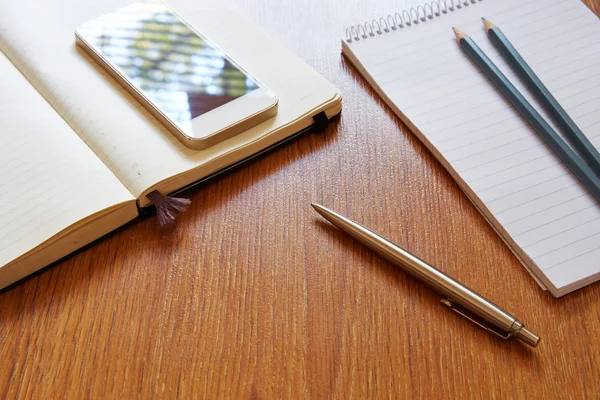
(49, 179)
(542, 211)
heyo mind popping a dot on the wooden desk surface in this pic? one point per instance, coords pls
(250, 295)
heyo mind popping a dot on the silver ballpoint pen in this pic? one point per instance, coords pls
(458, 298)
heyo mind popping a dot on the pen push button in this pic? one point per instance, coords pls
(517, 329)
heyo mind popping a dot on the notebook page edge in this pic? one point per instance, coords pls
(68, 241)
(175, 182)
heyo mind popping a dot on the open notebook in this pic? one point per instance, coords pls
(78, 154)
(538, 207)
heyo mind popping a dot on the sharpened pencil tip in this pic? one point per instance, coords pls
(459, 34)
(487, 24)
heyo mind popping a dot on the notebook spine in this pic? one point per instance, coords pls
(405, 18)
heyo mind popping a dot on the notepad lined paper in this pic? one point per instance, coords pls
(49, 179)
(540, 209)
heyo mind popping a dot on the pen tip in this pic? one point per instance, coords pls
(487, 24)
(459, 34)
(322, 211)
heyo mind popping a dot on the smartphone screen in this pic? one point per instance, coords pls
(183, 74)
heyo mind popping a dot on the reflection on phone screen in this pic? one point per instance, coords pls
(183, 74)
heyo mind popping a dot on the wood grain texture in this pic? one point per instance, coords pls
(250, 295)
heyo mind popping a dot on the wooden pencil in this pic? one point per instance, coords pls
(529, 113)
(572, 132)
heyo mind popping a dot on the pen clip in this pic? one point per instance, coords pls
(476, 320)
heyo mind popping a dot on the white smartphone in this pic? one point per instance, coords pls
(200, 94)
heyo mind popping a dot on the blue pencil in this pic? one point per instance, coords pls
(572, 132)
(529, 113)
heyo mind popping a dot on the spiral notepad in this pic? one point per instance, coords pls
(530, 198)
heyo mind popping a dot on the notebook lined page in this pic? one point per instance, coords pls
(546, 214)
(49, 179)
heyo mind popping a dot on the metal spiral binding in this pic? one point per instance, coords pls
(408, 17)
